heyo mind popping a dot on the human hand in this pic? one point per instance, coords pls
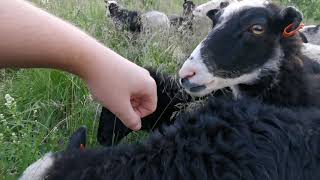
(124, 88)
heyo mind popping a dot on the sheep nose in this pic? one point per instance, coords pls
(186, 78)
(186, 73)
(184, 82)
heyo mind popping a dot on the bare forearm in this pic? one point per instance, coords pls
(31, 37)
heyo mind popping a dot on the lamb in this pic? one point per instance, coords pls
(135, 21)
(225, 139)
(270, 67)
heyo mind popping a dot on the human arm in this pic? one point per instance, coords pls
(31, 37)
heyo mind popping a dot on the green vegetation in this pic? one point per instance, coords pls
(310, 8)
(39, 109)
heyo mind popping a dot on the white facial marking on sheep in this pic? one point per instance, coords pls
(38, 169)
(195, 64)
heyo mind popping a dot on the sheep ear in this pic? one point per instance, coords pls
(78, 139)
(291, 15)
(212, 13)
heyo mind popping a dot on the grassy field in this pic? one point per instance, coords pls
(39, 108)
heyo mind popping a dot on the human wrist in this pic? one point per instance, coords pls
(95, 58)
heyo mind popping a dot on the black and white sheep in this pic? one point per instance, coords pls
(310, 34)
(225, 139)
(184, 21)
(135, 21)
(248, 52)
(250, 59)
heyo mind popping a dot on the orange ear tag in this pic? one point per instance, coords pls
(287, 33)
(82, 147)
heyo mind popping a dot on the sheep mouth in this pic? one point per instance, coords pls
(198, 91)
(190, 86)
(197, 88)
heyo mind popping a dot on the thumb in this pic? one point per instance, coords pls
(129, 117)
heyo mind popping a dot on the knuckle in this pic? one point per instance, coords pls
(132, 125)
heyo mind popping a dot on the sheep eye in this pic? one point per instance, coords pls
(257, 29)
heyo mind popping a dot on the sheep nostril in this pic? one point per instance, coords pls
(190, 75)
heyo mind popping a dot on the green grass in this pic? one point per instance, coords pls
(49, 105)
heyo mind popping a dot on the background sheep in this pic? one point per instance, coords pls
(203, 9)
(135, 21)
(185, 21)
(223, 140)
(312, 34)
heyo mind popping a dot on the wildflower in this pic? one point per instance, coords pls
(9, 100)
(4, 121)
(90, 97)
(35, 111)
(55, 129)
